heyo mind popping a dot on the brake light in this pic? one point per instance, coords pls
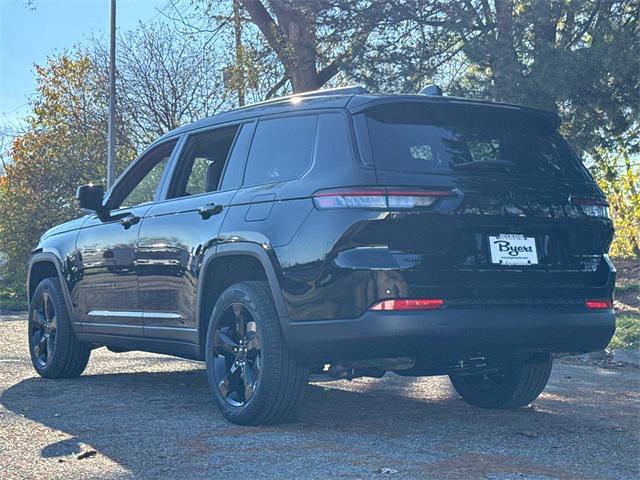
(598, 304)
(592, 207)
(409, 304)
(378, 198)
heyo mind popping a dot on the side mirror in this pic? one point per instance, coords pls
(90, 198)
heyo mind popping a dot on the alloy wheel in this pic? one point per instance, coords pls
(236, 355)
(43, 329)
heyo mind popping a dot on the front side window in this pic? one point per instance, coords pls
(282, 149)
(203, 162)
(141, 182)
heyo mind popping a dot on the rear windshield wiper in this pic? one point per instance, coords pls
(484, 164)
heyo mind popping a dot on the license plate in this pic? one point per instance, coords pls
(513, 249)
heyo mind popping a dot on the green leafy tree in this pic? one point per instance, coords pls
(578, 58)
(62, 147)
(618, 174)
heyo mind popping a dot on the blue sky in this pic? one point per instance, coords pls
(28, 34)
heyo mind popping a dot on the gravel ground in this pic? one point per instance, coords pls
(139, 415)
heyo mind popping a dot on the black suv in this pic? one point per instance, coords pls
(339, 233)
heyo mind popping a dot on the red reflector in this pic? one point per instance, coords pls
(409, 304)
(598, 304)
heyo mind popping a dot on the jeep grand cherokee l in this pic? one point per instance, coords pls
(340, 233)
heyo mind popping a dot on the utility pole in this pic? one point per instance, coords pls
(239, 57)
(111, 154)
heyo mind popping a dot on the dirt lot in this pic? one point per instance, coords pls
(139, 415)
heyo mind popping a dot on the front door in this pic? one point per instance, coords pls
(106, 294)
(176, 233)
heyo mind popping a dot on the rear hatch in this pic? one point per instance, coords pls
(524, 212)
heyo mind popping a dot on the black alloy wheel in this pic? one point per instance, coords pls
(237, 355)
(54, 348)
(43, 329)
(253, 375)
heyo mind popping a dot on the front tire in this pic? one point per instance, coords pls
(253, 376)
(511, 388)
(55, 350)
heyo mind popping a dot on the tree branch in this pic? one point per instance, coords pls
(272, 91)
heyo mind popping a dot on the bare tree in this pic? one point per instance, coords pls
(165, 80)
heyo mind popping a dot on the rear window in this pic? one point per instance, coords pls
(419, 138)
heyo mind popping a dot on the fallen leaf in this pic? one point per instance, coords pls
(86, 454)
(386, 471)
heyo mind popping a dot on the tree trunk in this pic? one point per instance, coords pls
(293, 38)
(504, 60)
(298, 25)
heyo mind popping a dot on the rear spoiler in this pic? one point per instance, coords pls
(361, 103)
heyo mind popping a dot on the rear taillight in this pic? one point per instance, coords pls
(598, 304)
(409, 304)
(379, 198)
(592, 207)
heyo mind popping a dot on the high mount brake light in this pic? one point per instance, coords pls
(379, 198)
(592, 207)
(408, 304)
(598, 304)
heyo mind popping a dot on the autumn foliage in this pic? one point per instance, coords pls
(578, 58)
(63, 147)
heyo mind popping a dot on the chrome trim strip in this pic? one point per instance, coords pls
(111, 313)
(127, 314)
(161, 315)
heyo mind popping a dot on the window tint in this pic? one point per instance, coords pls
(234, 170)
(141, 182)
(202, 163)
(282, 149)
(421, 139)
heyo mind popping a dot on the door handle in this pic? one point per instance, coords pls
(208, 210)
(129, 220)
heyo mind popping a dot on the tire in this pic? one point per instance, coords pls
(61, 355)
(267, 384)
(515, 387)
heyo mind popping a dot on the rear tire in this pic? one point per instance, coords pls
(253, 376)
(55, 350)
(514, 387)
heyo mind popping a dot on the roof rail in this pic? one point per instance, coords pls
(350, 90)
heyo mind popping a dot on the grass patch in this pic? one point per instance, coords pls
(627, 332)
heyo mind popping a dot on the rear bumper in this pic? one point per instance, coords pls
(449, 335)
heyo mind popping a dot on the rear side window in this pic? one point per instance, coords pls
(282, 149)
(418, 138)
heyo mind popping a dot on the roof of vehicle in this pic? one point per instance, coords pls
(355, 99)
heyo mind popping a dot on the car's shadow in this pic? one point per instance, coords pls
(128, 416)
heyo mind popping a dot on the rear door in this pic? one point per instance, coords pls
(176, 233)
(525, 206)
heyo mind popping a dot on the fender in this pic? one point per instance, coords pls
(253, 250)
(51, 257)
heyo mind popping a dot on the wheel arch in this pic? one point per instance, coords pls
(230, 263)
(45, 265)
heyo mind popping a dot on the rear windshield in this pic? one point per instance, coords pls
(423, 138)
